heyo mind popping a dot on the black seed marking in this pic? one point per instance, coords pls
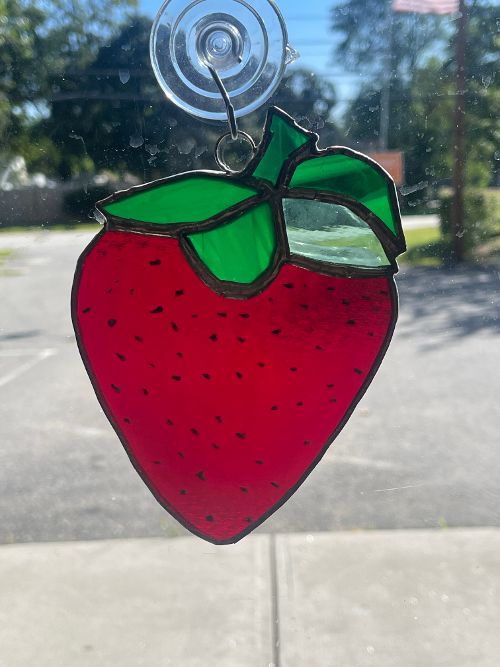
(116, 282)
(115, 388)
(183, 492)
(108, 291)
(333, 400)
(366, 298)
(215, 446)
(121, 357)
(218, 420)
(152, 365)
(241, 340)
(241, 436)
(170, 422)
(155, 262)
(293, 369)
(221, 314)
(307, 443)
(275, 484)
(111, 323)
(331, 289)
(201, 475)
(261, 365)
(181, 455)
(176, 378)
(157, 310)
(239, 375)
(145, 392)
(86, 310)
(245, 316)
(371, 334)
(358, 371)
(300, 404)
(346, 302)
(243, 489)
(179, 292)
(274, 408)
(351, 323)
(330, 386)
(214, 338)
(126, 420)
(209, 518)
(384, 292)
(132, 292)
(248, 519)
(304, 306)
(207, 376)
(174, 326)
(259, 462)
(194, 316)
(139, 339)
(195, 431)
(270, 299)
(288, 285)
(276, 332)
(157, 463)
(179, 354)
(319, 348)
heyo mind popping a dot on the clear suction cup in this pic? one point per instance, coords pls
(245, 43)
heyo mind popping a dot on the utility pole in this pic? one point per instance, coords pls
(385, 93)
(457, 211)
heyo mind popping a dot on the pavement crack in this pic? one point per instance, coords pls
(275, 617)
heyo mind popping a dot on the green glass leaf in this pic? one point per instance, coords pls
(191, 198)
(331, 233)
(286, 139)
(241, 250)
(352, 177)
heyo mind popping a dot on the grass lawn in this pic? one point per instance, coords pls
(82, 227)
(425, 247)
(4, 253)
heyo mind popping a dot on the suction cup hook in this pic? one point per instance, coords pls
(206, 52)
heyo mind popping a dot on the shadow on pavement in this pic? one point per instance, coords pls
(448, 304)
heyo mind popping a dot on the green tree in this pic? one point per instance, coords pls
(371, 36)
(20, 50)
(422, 86)
(39, 42)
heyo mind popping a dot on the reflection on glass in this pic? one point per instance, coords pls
(331, 233)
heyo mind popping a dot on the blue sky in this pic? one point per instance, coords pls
(308, 30)
(310, 35)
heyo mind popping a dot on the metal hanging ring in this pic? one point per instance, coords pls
(220, 144)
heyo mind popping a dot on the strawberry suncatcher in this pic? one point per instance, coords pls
(230, 323)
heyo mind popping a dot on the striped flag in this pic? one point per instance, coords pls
(426, 6)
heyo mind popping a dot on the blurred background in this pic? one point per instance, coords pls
(323, 582)
(81, 113)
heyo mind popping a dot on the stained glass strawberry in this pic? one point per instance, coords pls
(231, 323)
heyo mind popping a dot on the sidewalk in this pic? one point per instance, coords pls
(381, 598)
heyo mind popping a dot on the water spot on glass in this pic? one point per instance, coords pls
(200, 149)
(152, 149)
(124, 75)
(186, 145)
(136, 140)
